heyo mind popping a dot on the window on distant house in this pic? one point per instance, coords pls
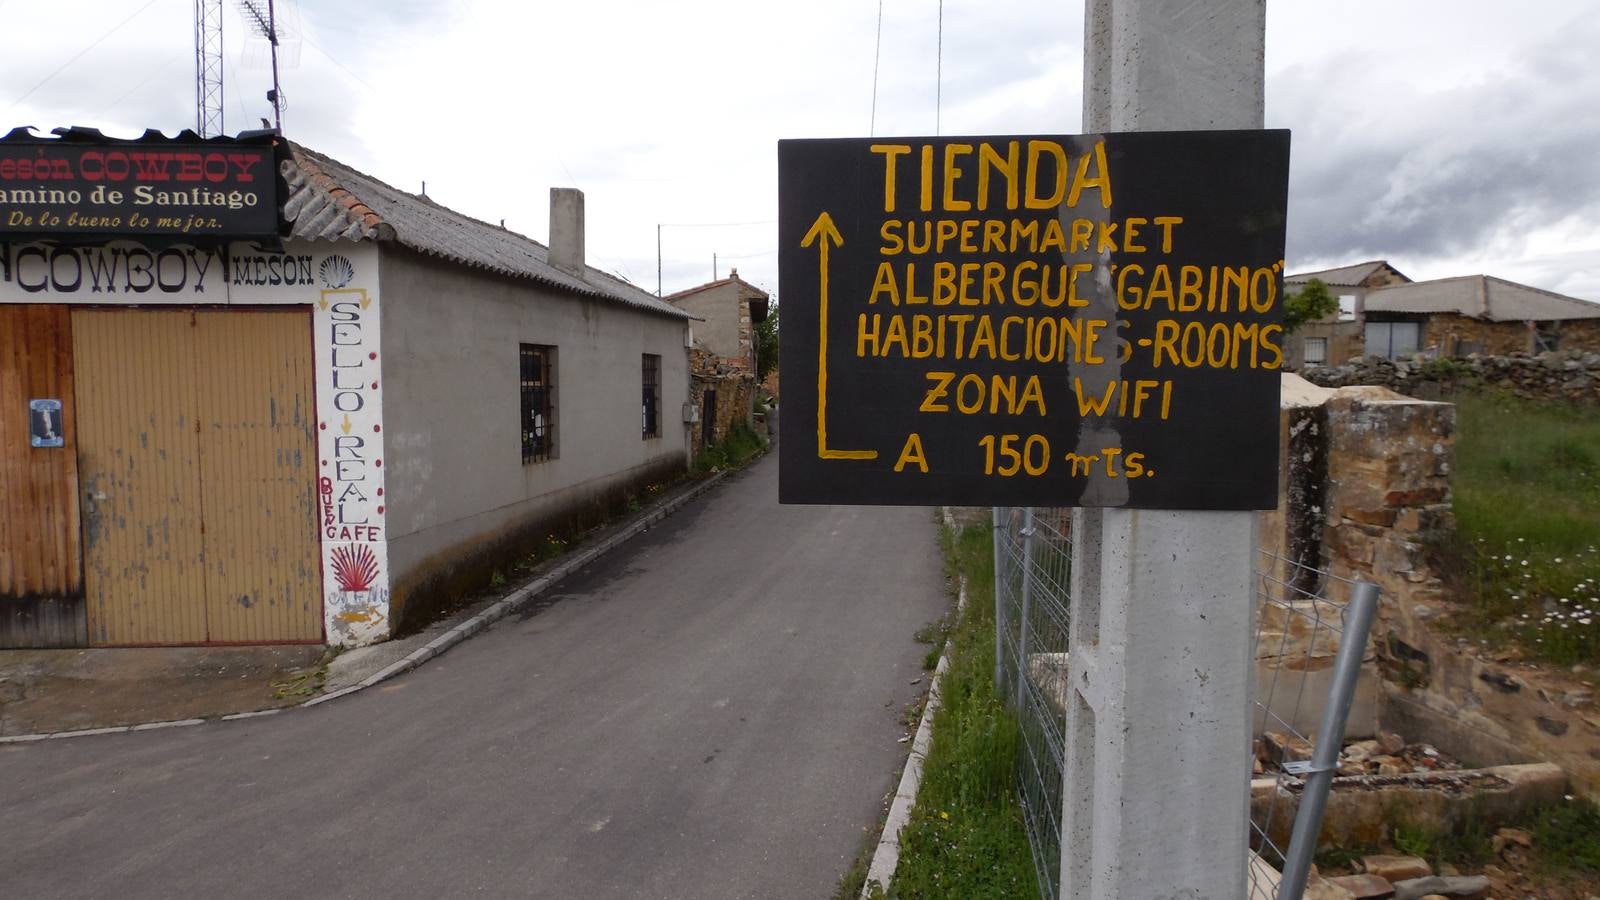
(1316, 351)
(1347, 307)
(650, 381)
(1393, 340)
(538, 370)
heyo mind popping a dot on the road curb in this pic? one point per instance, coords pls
(454, 635)
(886, 858)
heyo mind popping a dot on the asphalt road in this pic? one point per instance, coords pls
(710, 712)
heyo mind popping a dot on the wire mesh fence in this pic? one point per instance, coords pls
(1033, 555)
(1310, 638)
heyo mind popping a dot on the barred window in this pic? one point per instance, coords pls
(538, 365)
(650, 379)
(1316, 351)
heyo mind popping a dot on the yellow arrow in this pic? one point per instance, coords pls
(825, 235)
(365, 300)
(346, 426)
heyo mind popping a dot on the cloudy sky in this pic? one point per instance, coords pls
(1447, 136)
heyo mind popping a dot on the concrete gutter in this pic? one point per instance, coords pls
(440, 641)
(887, 857)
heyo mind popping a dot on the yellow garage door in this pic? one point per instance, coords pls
(195, 448)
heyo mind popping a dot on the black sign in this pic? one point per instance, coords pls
(1079, 320)
(77, 187)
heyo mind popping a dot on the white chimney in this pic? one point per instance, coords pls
(566, 230)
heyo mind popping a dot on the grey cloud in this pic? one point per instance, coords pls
(1431, 174)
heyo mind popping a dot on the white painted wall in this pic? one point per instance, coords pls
(451, 341)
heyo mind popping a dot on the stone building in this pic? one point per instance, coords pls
(723, 359)
(315, 435)
(1338, 337)
(1477, 314)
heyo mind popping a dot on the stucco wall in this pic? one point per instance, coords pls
(727, 321)
(458, 490)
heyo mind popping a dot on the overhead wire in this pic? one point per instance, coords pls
(938, 74)
(714, 224)
(80, 54)
(877, 54)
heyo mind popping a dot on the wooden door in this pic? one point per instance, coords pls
(41, 563)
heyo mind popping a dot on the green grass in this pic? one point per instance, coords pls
(1527, 506)
(1567, 837)
(965, 838)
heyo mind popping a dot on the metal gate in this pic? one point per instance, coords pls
(196, 460)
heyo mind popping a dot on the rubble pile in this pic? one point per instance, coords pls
(1386, 754)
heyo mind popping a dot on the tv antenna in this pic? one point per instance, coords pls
(262, 18)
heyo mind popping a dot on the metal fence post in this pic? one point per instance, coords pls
(995, 536)
(1027, 601)
(1358, 616)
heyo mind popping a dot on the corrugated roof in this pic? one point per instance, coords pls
(1483, 297)
(1344, 276)
(331, 201)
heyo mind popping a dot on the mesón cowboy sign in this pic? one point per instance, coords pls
(84, 186)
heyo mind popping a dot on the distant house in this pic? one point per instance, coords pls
(723, 358)
(1339, 337)
(1477, 314)
(730, 308)
(317, 438)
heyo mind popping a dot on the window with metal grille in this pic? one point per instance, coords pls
(650, 381)
(538, 371)
(1316, 351)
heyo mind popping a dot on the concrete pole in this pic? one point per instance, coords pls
(1155, 802)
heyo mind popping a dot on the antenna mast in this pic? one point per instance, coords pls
(208, 67)
(266, 25)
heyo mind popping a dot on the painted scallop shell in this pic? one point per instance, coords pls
(336, 271)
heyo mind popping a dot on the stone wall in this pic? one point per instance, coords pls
(735, 387)
(1346, 340)
(1568, 375)
(1455, 335)
(1364, 475)
(1368, 471)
